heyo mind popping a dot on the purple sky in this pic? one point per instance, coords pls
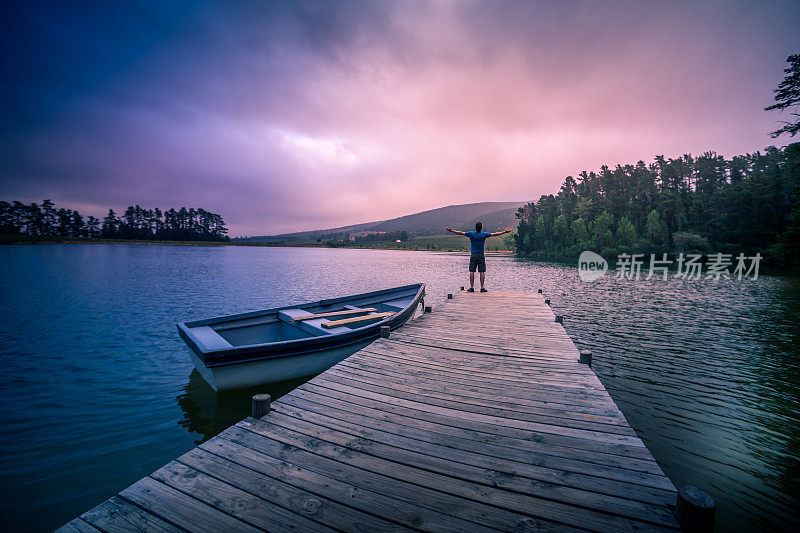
(303, 115)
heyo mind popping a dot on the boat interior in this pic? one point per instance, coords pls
(340, 315)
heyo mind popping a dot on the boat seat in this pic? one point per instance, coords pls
(210, 338)
(313, 326)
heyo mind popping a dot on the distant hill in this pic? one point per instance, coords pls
(494, 215)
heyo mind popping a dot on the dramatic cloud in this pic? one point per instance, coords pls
(299, 115)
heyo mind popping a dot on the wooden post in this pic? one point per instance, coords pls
(559, 319)
(462, 287)
(586, 358)
(428, 309)
(385, 330)
(547, 301)
(695, 510)
(260, 405)
(540, 291)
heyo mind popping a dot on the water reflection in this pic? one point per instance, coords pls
(207, 412)
(707, 374)
(777, 410)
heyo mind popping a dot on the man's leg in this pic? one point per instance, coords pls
(482, 270)
(473, 265)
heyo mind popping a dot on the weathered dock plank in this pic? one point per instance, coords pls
(118, 515)
(476, 417)
(77, 526)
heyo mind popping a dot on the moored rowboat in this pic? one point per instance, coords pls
(272, 345)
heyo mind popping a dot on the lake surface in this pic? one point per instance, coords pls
(98, 390)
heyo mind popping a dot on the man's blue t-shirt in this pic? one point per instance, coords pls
(476, 240)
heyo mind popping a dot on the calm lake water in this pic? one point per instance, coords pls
(98, 390)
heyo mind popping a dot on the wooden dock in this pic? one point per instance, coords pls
(475, 417)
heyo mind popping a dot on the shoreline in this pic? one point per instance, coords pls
(214, 243)
(765, 269)
(112, 241)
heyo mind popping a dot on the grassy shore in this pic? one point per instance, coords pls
(439, 243)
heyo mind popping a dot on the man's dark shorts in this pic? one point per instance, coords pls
(477, 260)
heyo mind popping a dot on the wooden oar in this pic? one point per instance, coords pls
(335, 323)
(334, 313)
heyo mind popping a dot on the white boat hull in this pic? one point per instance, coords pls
(273, 370)
(290, 342)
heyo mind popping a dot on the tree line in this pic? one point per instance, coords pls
(749, 203)
(136, 223)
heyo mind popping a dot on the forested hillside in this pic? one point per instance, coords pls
(703, 204)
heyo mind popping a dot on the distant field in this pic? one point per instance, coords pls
(446, 243)
(452, 242)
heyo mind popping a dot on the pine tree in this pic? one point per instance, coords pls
(787, 96)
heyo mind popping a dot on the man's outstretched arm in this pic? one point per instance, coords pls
(451, 230)
(498, 233)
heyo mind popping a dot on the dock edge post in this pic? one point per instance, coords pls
(586, 357)
(547, 301)
(540, 291)
(695, 510)
(462, 287)
(385, 330)
(260, 405)
(428, 309)
(559, 319)
(449, 295)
